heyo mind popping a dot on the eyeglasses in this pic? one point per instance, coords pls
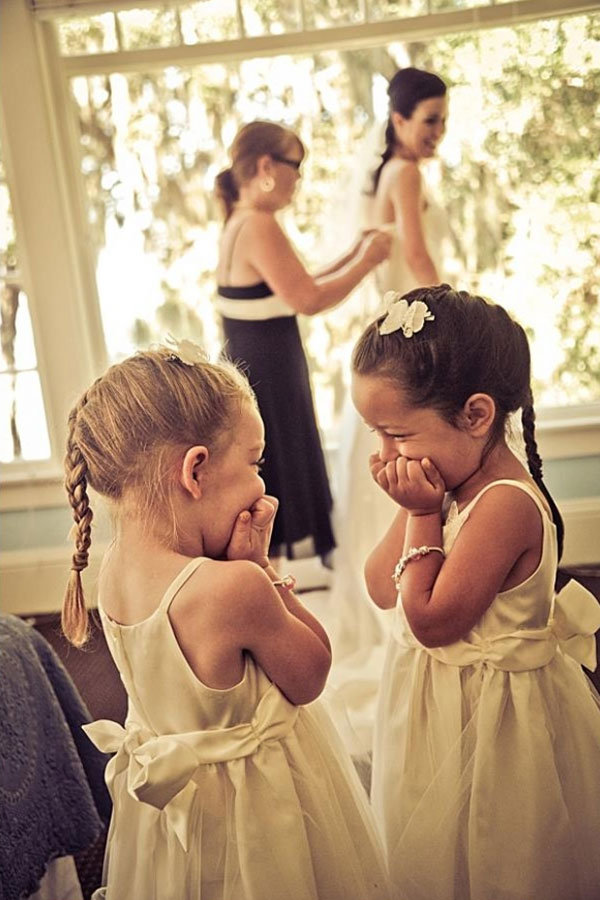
(293, 163)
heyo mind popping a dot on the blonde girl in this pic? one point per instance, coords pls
(224, 784)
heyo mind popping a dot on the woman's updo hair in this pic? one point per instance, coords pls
(406, 90)
(125, 438)
(471, 346)
(252, 141)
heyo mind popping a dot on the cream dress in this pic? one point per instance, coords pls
(486, 771)
(226, 794)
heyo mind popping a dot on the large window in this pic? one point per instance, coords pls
(519, 175)
(143, 104)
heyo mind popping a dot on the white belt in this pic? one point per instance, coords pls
(258, 310)
(575, 619)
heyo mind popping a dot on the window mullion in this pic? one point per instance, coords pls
(240, 18)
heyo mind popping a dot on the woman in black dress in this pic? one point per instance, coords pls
(262, 286)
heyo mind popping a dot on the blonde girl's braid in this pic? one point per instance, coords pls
(74, 613)
(534, 462)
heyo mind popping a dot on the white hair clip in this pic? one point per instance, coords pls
(185, 351)
(410, 317)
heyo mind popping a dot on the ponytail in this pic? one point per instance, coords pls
(534, 461)
(226, 191)
(390, 140)
(74, 620)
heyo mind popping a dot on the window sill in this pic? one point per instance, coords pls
(36, 485)
(568, 432)
(562, 432)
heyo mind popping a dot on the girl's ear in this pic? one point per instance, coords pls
(478, 414)
(193, 469)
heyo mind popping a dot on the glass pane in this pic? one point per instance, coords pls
(448, 5)
(209, 20)
(396, 9)
(519, 176)
(23, 430)
(94, 34)
(521, 183)
(15, 310)
(271, 16)
(319, 14)
(143, 28)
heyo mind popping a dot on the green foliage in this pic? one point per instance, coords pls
(520, 173)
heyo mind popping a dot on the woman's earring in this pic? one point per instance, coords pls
(267, 183)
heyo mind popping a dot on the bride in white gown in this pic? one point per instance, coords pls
(394, 197)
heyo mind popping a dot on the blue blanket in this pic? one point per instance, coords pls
(52, 795)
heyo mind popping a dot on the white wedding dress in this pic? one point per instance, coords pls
(362, 511)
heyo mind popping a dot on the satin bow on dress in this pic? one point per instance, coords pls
(572, 625)
(161, 768)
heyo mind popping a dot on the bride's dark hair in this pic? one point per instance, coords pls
(406, 90)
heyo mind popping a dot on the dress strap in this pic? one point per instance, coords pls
(522, 485)
(179, 580)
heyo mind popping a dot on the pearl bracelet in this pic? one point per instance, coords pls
(412, 553)
(288, 582)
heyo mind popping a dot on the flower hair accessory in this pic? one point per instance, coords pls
(185, 351)
(410, 317)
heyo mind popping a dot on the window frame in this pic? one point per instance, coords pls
(39, 139)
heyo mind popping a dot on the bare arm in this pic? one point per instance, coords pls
(346, 257)
(268, 251)
(240, 610)
(293, 605)
(381, 563)
(284, 638)
(498, 547)
(382, 560)
(407, 201)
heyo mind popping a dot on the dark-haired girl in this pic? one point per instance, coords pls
(486, 769)
(262, 286)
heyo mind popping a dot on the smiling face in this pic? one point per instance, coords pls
(420, 134)
(231, 481)
(414, 432)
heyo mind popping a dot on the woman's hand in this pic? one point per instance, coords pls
(252, 530)
(415, 484)
(376, 247)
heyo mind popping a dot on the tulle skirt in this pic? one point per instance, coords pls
(486, 783)
(289, 822)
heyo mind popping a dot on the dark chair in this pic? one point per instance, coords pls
(53, 800)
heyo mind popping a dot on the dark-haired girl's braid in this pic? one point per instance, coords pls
(534, 461)
(74, 613)
(390, 140)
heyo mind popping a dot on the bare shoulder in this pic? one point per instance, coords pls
(404, 171)
(221, 588)
(507, 507)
